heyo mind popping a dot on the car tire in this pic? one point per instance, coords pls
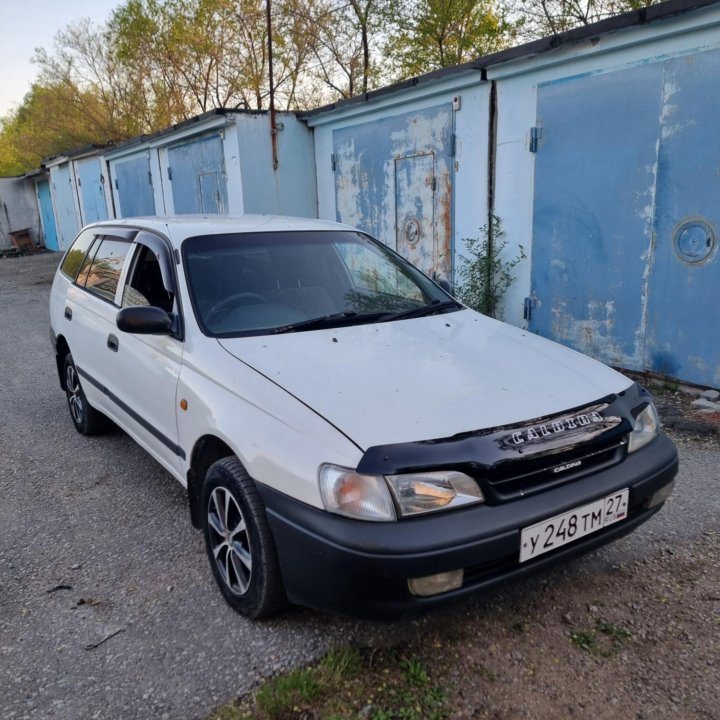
(86, 419)
(238, 541)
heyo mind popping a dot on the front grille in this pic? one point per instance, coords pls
(514, 479)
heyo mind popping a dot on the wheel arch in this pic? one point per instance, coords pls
(206, 450)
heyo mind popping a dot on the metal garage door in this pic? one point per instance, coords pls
(67, 222)
(197, 173)
(91, 189)
(46, 215)
(625, 217)
(133, 185)
(393, 179)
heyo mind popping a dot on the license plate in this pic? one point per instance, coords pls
(572, 525)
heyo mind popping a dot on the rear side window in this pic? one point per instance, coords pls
(103, 274)
(74, 257)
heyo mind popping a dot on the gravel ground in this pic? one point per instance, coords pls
(107, 604)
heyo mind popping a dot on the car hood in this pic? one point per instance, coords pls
(426, 378)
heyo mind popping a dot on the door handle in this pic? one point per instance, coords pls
(112, 342)
(68, 313)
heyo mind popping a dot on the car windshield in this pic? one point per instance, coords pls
(262, 283)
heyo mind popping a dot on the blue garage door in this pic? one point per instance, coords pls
(67, 221)
(393, 179)
(133, 183)
(46, 215)
(683, 309)
(91, 189)
(197, 173)
(625, 218)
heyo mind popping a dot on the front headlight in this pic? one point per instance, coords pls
(417, 493)
(368, 497)
(646, 428)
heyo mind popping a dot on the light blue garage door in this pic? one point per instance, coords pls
(63, 191)
(197, 173)
(626, 214)
(393, 179)
(133, 183)
(91, 189)
(46, 215)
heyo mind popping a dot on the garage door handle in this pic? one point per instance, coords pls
(68, 313)
(112, 342)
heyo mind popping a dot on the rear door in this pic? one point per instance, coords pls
(90, 313)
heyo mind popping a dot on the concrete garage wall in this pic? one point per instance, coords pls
(18, 209)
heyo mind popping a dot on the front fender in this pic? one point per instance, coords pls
(280, 441)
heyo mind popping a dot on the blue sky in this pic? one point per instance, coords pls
(28, 24)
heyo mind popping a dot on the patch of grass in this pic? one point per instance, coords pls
(605, 640)
(414, 671)
(584, 640)
(285, 692)
(345, 683)
(615, 632)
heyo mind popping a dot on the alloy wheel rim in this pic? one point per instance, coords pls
(229, 540)
(74, 394)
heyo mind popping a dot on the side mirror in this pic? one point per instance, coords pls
(445, 285)
(144, 320)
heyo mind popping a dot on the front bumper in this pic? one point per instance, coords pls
(361, 568)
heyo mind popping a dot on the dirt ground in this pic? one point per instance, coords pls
(640, 640)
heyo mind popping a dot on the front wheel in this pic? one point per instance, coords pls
(86, 419)
(238, 541)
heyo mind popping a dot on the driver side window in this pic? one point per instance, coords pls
(145, 284)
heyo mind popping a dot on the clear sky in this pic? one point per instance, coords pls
(28, 24)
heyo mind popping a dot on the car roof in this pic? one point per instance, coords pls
(178, 228)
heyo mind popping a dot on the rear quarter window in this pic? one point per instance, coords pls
(73, 260)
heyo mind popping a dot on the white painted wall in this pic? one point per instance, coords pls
(289, 190)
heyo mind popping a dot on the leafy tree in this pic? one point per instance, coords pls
(550, 17)
(51, 119)
(432, 34)
(344, 40)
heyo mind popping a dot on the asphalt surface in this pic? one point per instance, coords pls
(107, 605)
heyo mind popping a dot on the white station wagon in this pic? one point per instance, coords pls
(351, 437)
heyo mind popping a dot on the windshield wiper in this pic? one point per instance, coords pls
(429, 309)
(325, 320)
